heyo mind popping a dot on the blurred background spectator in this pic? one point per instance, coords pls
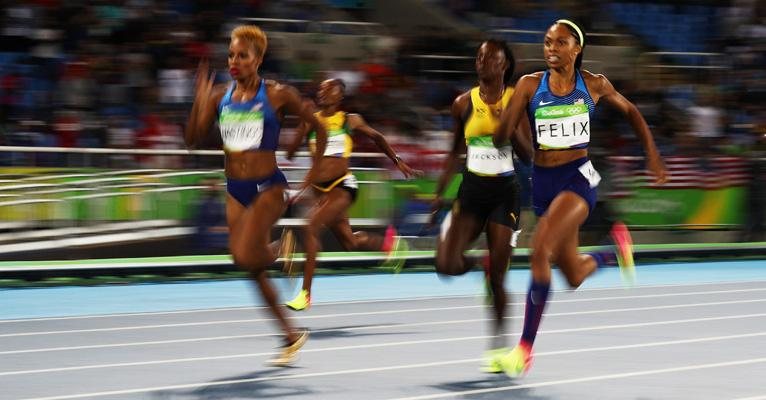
(119, 74)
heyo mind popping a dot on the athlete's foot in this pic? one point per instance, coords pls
(396, 257)
(289, 352)
(624, 251)
(301, 302)
(286, 251)
(491, 363)
(518, 361)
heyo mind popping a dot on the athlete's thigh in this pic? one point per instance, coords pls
(254, 224)
(464, 228)
(332, 205)
(564, 216)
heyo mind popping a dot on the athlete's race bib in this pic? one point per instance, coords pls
(241, 131)
(590, 174)
(562, 127)
(483, 158)
(338, 143)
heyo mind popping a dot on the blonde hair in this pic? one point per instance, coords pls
(252, 35)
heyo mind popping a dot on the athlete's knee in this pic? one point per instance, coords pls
(252, 259)
(447, 265)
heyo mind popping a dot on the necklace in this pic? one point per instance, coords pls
(484, 96)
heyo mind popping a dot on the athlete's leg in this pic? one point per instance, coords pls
(500, 251)
(463, 229)
(249, 242)
(330, 207)
(564, 216)
(575, 266)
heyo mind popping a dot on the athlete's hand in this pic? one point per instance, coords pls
(657, 168)
(436, 206)
(203, 87)
(407, 170)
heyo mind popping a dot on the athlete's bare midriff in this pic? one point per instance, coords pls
(332, 168)
(554, 158)
(250, 164)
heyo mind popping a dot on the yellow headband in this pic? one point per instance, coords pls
(576, 28)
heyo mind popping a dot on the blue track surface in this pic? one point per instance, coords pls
(69, 301)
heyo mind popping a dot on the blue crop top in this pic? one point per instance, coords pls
(248, 126)
(561, 122)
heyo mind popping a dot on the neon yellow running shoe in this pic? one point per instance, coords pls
(624, 250)
(395, 259)
(289, 352)
(301, 302)
(518, 361)
(491, 363)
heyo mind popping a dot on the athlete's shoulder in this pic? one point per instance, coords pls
(462, 100)
(597, 83)
(527, 84)
(532, 79)
(219, 90)
(277, 87)
(590, 76)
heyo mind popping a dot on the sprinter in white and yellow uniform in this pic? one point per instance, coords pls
(336, 186)
(488, 198)
(559, 104)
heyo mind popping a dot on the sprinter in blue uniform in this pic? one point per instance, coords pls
(249, 111)
(559, 103)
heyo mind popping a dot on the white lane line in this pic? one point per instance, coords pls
(594, 378)
(443, 363)
(364, 346)
(377, 327)
(317, 305)
(366, 313)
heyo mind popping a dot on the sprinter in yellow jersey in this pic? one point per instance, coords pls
(488, 198)
(336, 186)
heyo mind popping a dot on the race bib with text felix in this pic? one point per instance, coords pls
(563, 126)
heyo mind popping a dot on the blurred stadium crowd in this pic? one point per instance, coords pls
(119, 74)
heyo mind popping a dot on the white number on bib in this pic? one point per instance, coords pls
(590, 174)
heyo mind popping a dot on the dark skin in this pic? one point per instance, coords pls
(331, 208)
(491, 64)
(249, 226)
(556, 236)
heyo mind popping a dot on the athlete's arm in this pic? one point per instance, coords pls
(522, 141)
(611, 96)
(514, 112)
(301, 131)
(203, 112)
(294, 104)
(357, 124)
(459, 107)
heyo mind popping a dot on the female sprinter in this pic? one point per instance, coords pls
(488, 199)
(249, 112)
(337, 186)
(560, 103)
